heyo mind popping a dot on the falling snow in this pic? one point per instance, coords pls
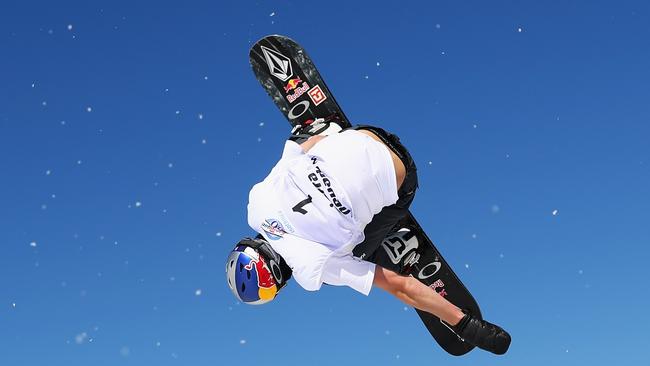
(74, 183)
(80, 338)
(125, 351)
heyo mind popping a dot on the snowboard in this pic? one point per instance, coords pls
(289, 76)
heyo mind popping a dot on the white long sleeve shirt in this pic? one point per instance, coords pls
(313, 207)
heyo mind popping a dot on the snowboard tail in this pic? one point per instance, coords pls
(290, 78)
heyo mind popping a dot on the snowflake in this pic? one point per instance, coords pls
(125, 351)
(80, 338)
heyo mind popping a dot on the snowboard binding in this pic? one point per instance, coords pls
(315, 127)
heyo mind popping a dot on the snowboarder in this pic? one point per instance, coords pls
(321, 214)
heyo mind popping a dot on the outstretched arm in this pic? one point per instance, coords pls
(414, 293)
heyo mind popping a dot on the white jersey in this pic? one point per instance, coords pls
(313, 207)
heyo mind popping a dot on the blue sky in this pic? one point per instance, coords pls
(130, 135)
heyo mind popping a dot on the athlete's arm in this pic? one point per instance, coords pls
(414, 293)
(311, 142)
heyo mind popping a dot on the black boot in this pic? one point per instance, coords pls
(483, 334)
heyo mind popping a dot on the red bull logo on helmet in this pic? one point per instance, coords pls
(267, 289)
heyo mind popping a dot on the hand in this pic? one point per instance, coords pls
(311, 142)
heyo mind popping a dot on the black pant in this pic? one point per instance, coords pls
(385, 220)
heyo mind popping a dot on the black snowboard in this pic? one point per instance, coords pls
(289, 76)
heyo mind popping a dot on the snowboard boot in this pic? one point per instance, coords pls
(482, 334)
